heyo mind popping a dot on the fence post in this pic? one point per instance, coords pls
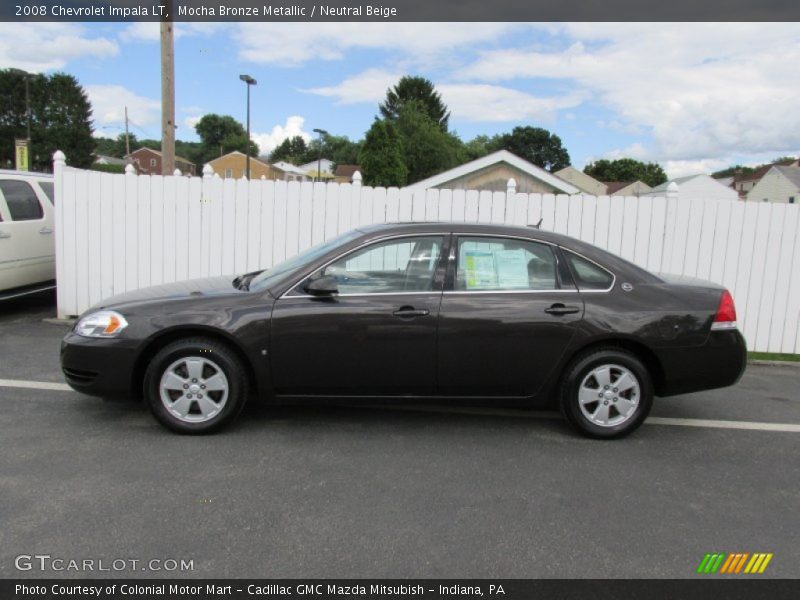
(208, 171)
(177, 172)
(511, 191)
(59, 162)
(670, 218)
(357, 178)
(129, 170)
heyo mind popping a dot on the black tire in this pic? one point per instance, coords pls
(215, 355)
(581, 368)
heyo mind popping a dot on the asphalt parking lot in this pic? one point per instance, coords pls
(336, 491)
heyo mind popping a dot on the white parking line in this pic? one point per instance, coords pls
(708, 423)
(35, 385)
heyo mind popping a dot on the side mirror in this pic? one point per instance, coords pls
(322, 286)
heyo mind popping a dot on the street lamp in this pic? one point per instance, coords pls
(321, 132)
(249, 81)
(27, 77)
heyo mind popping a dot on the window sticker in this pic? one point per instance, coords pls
(480, 270)
(512, 269)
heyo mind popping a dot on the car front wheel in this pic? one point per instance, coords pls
(195, 386)
(607, 393)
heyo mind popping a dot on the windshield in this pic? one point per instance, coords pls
(266, 279)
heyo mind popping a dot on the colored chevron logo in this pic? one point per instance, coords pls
(734, 563)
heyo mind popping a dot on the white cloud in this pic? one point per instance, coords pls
(681, 168)
(41, 47)
(491, 103)
(702, 90)
(467, 102)
(109, 102)
(191, 121)
(267, 142)
(292, 44)
(150, 31)
(368, 86)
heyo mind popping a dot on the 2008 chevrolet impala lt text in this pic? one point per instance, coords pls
(416, 312)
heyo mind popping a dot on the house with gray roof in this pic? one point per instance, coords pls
(779, 184)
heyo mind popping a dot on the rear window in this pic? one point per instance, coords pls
(47, 188)
(588, 276)
(23, 205)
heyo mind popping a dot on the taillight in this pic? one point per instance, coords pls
(726, 313)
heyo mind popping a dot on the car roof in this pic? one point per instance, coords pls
(5, 173)
(470, 228)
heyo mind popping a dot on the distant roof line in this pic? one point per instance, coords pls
(492, 159)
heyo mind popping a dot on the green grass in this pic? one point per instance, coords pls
(773, 356)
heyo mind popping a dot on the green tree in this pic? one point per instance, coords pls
(61, 118)
(427, 149)
(626, 169)
(380, 158)
(292, 150)
(477, 147)
(116, 146)
(337, 148)
(220, 134)
(422, 93)
(535, 145)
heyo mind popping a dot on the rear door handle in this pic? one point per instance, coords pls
(410, 311)
(45, 230)
(560, 309)
(4, 234)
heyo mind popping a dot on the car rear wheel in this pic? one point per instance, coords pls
(195, 386)
(607, 393)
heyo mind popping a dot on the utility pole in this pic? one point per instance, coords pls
(167, 93)
(28, 110)
(27, 76)
(127, 138)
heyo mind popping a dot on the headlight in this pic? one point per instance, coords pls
(101, 324)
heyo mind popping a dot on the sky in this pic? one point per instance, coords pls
(692, 97)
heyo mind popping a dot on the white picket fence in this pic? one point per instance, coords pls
(116, 233)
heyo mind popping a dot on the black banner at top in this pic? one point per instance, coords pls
(400, 10)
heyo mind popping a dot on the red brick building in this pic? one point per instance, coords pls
(148, 162)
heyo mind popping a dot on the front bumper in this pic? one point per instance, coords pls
(99, 367)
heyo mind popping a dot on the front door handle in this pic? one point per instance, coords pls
(45, 230)
(560, 309)
(4, 234)
(409, 311)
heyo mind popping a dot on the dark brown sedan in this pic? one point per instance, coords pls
(420, 311)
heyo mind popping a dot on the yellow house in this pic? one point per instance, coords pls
(232, 166)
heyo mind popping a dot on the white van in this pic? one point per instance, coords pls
(27, 246)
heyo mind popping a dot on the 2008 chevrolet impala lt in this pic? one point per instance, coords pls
(417, 311)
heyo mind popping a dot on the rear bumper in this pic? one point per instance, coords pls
(718, 363)
(99, 367)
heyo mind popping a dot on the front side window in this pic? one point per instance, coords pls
(394, 266)
(504, 264)
(23, 205)
(588, 275)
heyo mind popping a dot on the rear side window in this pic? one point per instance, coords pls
(588, 275)
(47, 188)
(504, 264)
(23, 205)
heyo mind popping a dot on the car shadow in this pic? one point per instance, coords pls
(40, 305)
(341, 415)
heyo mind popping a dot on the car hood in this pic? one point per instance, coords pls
(211, 286)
